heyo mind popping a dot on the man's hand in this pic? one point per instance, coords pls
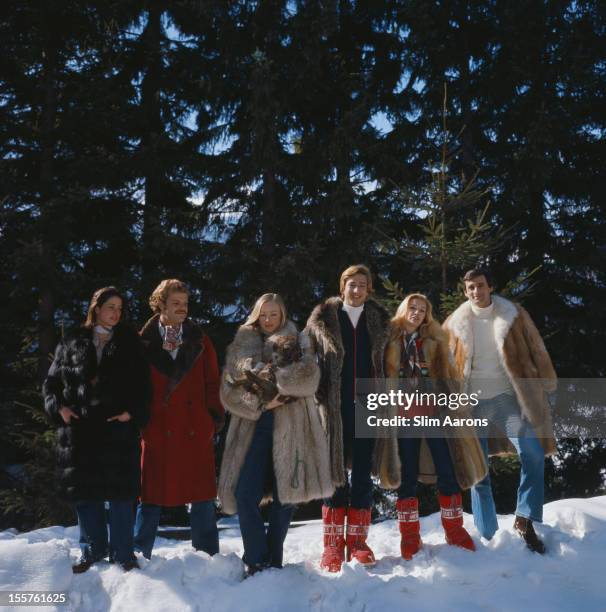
(67, 414)
(123, 417)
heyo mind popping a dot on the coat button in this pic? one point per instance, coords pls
(192, 434)
(169, 433)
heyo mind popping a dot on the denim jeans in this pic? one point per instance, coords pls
(202, 518)
(409, 454)
(504, 412)
(261, 545)
(92, 521)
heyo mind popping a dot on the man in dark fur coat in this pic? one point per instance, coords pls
(178, 461)
(350, 334)
(498, 350)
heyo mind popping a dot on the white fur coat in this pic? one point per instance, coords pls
(301, 461)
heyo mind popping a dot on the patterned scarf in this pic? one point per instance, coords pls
(413, 365)
(173, 337)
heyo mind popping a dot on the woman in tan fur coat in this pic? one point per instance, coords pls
(418, 353)
(275, 448)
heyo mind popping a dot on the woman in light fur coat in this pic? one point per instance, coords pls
(275, 449)
(418, 350)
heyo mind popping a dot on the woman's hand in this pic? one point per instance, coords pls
(67, 414)
(123, 417)
(274, 403)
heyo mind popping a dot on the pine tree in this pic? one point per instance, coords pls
(453, 230)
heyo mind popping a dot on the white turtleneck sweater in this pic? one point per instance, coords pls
(487, 371)
(354, 313)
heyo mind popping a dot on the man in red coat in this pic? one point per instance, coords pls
(178, 459)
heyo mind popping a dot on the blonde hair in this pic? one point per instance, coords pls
(398, 320)
(352, 271)
(162, 291)
(255, 313)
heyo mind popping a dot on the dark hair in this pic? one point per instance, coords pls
(99, 298)
(475, 272)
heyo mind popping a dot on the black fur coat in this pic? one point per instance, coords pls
(99, 460)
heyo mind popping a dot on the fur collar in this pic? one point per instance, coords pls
(459, 323)
(324, 320)
(324, 324)
(174, 369)
(248, 343)
(82, 338)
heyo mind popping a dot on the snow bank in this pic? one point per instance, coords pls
(502, 575)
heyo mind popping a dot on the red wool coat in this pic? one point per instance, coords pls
(178, 459)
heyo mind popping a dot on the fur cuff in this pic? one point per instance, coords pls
(240, 402)
(299, 379)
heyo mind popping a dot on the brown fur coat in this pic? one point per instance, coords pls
(300, 445)
(465, 451)
(324, 329)
(523, 356)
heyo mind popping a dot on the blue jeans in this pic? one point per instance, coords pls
(504, 412)
(409, 454)
(203, 521)
(93, 530)
(261, 546)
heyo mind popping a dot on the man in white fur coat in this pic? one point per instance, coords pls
(499, 353)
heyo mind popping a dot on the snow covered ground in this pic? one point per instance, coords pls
(502, 575)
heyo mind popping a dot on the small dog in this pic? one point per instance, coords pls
(285, 351)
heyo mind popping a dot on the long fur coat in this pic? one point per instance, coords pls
(522, 354)
(99, 460)
(324, 329)
(300, 446)
(465, 450)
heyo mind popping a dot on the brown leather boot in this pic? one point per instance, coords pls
(525, 530)
(82, 566)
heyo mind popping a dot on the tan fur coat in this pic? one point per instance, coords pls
(300, 445)
(465, 451)
(522, 354)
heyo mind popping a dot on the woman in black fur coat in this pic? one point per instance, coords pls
(97, 392)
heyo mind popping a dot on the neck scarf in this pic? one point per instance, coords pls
(172, 337)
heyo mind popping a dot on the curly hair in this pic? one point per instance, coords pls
(162, 291)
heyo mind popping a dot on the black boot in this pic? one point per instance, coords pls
(255, 568)
(524, 528)
(130, 565)
(82, 566)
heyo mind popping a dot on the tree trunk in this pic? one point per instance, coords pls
(153, 128)
(47, 298)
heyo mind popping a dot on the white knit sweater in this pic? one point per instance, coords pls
(487, 371)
